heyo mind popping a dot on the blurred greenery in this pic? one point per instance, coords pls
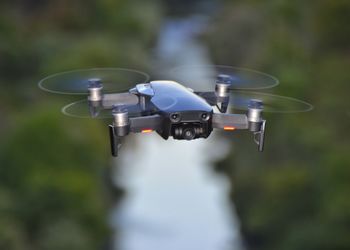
(296, 194)
(53, 168)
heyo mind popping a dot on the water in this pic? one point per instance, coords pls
(174, 200)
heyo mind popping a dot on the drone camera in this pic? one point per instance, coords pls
(188, 131)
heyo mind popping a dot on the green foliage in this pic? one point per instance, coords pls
(296, 194)
(50, 184)
(52, 193)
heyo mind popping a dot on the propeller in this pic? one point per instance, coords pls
(242, 100)
(84, 109)
(204, 77)
(77, 82)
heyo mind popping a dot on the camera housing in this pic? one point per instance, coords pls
(188, 131)
(187, 125)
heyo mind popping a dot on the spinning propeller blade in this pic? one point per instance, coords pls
(83, 109)
(76, 82)
(204, 77)
(271, 103)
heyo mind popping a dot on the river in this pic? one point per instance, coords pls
(174, 198)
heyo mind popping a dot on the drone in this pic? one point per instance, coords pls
(172, 108)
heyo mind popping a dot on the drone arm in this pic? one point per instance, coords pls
(230, 121)
(259, 136)
(141, 124)
(239, 121)
(114, 140)
(145, 123)
(214, 99)
(120, 99)
(209, 97)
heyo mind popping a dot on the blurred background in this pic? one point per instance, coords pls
(61, 189)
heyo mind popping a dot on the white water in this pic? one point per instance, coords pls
(174, 200)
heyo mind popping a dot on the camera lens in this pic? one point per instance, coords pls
(189, 133)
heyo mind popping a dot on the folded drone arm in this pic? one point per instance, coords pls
(140, 124)
(213, 99)
(146, 123)
(210, 97)
(115, 140)
(119, 99)
(230, 121)
(240, 121)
